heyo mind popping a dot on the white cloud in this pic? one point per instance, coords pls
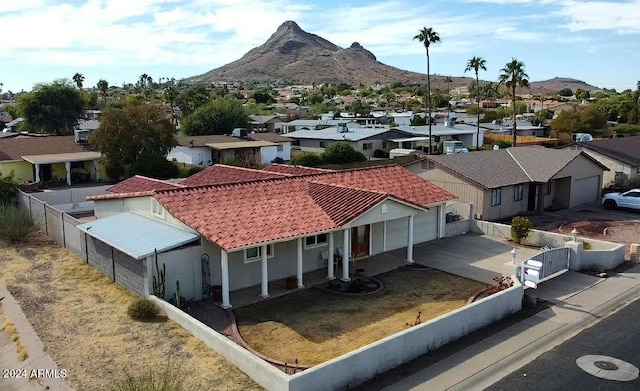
(623, 17)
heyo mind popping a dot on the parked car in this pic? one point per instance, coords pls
(629, 199)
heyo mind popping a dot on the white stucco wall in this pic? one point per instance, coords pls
(196, 155)
(184, 265)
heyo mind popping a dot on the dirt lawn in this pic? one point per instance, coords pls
(314, 325)
(80, 315)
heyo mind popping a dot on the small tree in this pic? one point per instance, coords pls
(8, 190)
(307, 159)
(342, 153)
(520, 228)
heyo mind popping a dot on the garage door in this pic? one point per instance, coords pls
(425, 226)
(397, 233)
(585, 190)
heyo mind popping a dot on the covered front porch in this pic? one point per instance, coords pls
(69, 168)
(241, 276)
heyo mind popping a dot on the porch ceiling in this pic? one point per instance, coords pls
(62, 157)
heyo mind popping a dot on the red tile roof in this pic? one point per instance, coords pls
(295, 170)
(219, 174)
(244, 214)
(141, 183)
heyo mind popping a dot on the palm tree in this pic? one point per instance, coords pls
(78, 78)
(475, 64)
(448, 80)
(142, 80)
(512, 76)
(170, 94)
(103, 86)
(427, 36)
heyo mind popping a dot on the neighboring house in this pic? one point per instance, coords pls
(257, 226)
(445, 132)
(362, 139)
(265, 123)
(254, 149)
(621, 155)
(57, 159)
(509, 182)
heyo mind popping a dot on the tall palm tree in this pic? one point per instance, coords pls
(475, 64)
(103, 86)
(512, 76)
(170, 94)
(448, 80)
(427, 36)
(78, 78)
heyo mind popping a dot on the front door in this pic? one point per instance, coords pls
(532, 197)
(360, 241)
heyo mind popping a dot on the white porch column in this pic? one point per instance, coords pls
(67, 166)
(37, 178)
(224, 267)
(299, 264)
(330, 275)
(265, 274)
(97, 168)
(345, 255)
(442, 221)
(410, 241)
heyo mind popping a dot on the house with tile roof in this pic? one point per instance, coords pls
(621, 155)
(255, 149)
(259, 226)
(58, 159)
(515, 181)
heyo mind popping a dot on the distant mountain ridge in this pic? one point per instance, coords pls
(294, 56)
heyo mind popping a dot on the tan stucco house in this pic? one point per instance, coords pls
(620, 155)
(515, 181)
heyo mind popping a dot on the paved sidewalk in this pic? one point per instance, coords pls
(37, 359)
(580, 301)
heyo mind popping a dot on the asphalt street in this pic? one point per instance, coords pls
(616, 336)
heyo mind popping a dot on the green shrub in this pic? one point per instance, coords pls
(8, 189)
(16, 224)
(168, 379)
(520, 228)
(143, 309)
(308, 159)
(586, 245)
(194, 170)
(234, 161)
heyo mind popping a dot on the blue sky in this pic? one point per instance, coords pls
(43, 40)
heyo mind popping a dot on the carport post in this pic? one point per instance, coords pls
(410, 241)
(224, 266)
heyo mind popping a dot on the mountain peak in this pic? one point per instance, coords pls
(289, 26)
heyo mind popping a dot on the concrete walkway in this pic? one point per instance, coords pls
(37, 359)
(580, 301)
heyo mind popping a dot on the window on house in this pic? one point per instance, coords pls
(156, 208)
(496, 197)
(254, 254)
(323, 144)
(367, 146)
(315, 240)
(547, 188)
(518, 192)
(280, 148)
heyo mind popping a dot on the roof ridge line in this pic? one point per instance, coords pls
(519, 165)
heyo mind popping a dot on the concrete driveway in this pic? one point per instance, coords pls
(474, 256)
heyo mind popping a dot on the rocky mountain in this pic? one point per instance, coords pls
(295, 56)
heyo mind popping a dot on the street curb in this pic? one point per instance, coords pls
(516, 360)
(38, 358)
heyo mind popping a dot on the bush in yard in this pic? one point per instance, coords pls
(16, 224)
(143, 309)
(520, 228)
(8, 189)
(168, 379)
(307, 159)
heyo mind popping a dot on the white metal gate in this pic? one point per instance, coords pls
(553, 260)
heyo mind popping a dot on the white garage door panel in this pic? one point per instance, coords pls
(425, 226)
(585, 190)
(397, 233)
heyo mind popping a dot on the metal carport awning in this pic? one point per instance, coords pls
(136, 235)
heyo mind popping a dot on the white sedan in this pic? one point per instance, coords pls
(629, 199)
